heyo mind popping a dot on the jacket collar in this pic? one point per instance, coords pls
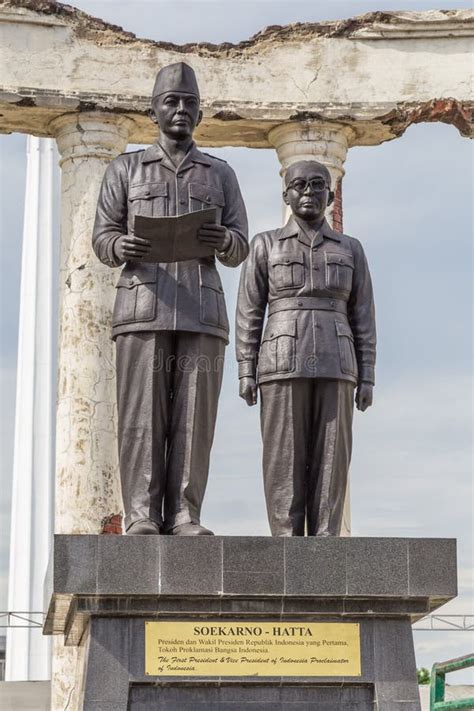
(156, 153)
(293, 229)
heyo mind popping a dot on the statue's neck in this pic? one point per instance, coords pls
(311, 224)
(176, 149)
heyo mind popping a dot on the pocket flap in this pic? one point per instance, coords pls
(291, 259)
(345, 260)
(207, 193)
(209, 278)
(146, 191)
(140, 275)
(343, 329)
(284, 328)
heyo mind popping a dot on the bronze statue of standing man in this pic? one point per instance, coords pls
(318, 344)
(170, 323)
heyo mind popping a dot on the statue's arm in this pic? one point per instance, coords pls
(361, 314)
(251, 305)
(234, 219)
(111, 214)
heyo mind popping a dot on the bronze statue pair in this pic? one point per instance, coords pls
(318, 342)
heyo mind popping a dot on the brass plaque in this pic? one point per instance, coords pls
(242, 648)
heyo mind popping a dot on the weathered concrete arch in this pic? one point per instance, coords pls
(392, 68)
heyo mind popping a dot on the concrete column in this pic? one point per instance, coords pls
(312, 140)
(28, 653)
(87, 484)
(327, 143)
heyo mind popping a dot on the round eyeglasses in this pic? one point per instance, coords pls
(317, 185)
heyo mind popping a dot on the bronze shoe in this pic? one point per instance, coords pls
(190, 529)
(145, 527)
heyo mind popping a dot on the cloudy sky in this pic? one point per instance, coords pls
(409, 202)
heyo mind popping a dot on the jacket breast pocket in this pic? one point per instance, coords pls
(278, 348)
(136, 297)
(287, 272)
(339, 270)
(211, 295)
(202, 197)
(347, 354)
(148, 199)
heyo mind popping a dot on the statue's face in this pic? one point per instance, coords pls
(176, 113)
(308, 190)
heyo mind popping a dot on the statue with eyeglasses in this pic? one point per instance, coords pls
(317, 346)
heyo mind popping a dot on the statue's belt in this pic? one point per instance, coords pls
(303, 303)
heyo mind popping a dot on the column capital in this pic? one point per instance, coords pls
(323, 141)
(93, 134)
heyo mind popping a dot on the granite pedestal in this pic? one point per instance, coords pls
(101, 589)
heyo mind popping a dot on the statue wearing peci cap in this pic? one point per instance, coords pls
(169, 322)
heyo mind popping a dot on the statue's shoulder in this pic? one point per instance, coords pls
(352, 242)
(130, 155)
(124, 162)
(219, 165)
(275, 233)
(267, 237)
(214, 158)
(339, 236)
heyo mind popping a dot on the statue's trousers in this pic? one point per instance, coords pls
(307, 442)
(168, 385)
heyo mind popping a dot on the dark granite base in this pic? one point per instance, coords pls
(264, 697)
(115, 678)
(101, 590)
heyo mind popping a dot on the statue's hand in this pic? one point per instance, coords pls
(131, 247)
(364, 396)
(216, 236)
(248, 390)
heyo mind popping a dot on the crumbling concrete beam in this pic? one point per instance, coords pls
(378, 73)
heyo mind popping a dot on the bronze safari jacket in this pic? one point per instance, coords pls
(179, 296)
(321, 320)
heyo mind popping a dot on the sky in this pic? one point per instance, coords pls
(409, 202)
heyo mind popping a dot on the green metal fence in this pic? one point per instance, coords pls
(438, 685)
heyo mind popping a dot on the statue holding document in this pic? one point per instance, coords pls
(166, 213)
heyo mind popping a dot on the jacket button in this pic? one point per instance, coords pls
(208, 198)
(272, 334)
(179, 175)
(300, 303)
(147, 192)
(332, 303)
(182, 202)
(341, 260)
(316, 269)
